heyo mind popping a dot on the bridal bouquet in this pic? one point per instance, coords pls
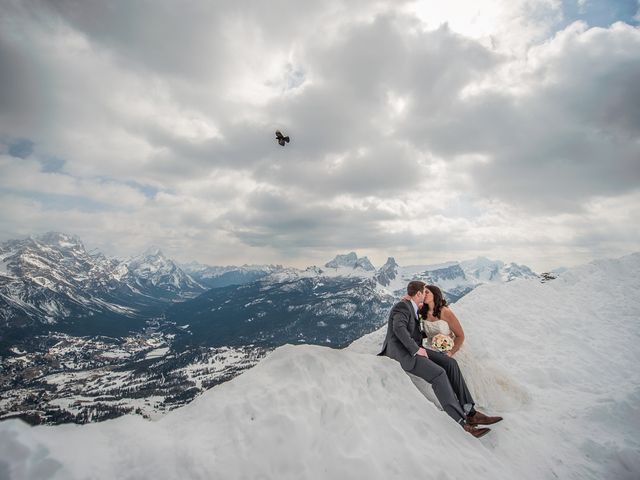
(442, 342)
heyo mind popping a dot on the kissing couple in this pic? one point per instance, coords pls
(403, 343)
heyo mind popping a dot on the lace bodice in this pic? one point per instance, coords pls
(436, 327)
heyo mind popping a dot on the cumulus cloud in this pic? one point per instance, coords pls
(572, 134)
(413, 130)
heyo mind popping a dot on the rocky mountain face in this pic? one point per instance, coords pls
(52, 277)
(387, 273)
(452, 280)
(156, 275)
(50, 282)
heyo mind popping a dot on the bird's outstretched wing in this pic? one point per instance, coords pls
(281, 138)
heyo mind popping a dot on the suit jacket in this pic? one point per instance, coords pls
(404, 337)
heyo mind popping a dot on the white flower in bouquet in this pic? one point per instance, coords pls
(442, 342)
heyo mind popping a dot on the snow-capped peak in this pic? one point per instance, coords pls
(485, 270)
(350, 260)
(343, 260)
(387, 272)
(58, 241)
(152, 252)
(153, 269)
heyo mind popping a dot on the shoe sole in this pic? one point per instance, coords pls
(476, 424)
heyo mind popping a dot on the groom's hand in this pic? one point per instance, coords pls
(422, 352)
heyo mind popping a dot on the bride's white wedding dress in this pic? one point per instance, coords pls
(492, 389)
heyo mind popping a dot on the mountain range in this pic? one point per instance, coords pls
(51, 283)
(172, 330)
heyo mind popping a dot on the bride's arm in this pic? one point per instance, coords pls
(454, 324)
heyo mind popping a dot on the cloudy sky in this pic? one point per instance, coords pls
(424, 130)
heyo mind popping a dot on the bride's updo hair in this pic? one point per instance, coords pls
(438, 302)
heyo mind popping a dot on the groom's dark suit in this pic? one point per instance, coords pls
(402, 343)
(403, 335)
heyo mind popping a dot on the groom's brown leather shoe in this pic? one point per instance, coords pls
(480, 418)
(475, 431)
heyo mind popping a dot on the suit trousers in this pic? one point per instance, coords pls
(444, 375)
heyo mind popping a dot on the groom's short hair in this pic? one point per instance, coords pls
(414, 287)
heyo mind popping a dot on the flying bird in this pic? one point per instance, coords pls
(281, 139)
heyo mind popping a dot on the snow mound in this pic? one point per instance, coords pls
(303, 412)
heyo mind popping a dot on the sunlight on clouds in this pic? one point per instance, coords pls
(423, 228)
(506, 25)
(394, 206)
(193, 126)
(392, 116)
(288, 79)
(397, 103)
(335, 161)
(475, 18)
(260, 72)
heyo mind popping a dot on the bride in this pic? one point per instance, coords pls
(491, 388)
(439, 319)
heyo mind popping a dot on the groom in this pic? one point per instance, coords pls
(402, 343)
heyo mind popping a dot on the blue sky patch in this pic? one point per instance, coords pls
(51, 164)
(21, 148)
(147, 190)
(600, 13)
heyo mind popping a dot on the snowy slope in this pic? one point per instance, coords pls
(570, 344)
(304, 412)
